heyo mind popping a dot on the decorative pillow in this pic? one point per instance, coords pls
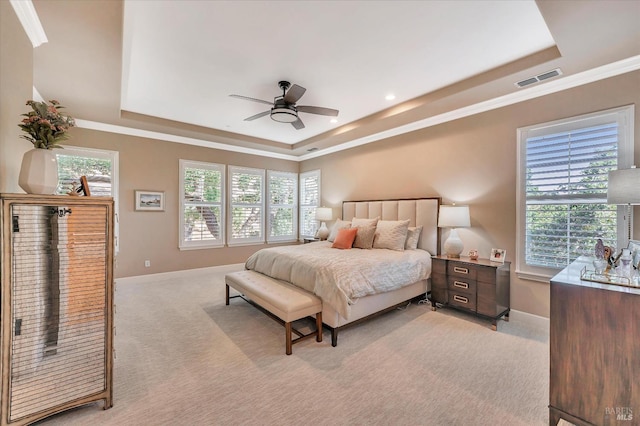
(345, 238)
(413, 236)
(364, 237)
(356, 221)
(340, 224)
(391, 234)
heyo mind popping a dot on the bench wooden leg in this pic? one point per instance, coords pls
(287, 328)
(227, 294)
(319, 326)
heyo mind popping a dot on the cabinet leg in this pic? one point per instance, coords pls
(494, 325)
(506, 317)
(433, 305)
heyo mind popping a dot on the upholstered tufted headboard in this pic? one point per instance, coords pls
(420, 212)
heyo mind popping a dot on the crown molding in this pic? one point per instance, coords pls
(563, 83)
(30, 22)
(130, 131)
(566, 82)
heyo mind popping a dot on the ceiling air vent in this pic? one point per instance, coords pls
(312, 149)
(538, 78)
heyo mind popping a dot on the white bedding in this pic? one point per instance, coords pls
(341, 277)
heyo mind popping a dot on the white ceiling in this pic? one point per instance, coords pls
(182, 59)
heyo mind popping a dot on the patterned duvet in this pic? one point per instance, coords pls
(341, 277)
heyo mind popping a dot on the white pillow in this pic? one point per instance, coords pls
(413, 237)
(340, 224)
(391, 234)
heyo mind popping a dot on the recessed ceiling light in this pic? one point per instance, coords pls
(333, 120)
(390, 97)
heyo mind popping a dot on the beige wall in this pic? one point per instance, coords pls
(471, 161)
(154, 165)
(16, 87)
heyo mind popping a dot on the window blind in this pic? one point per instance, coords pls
(246, 187)
(282, 206)
(202, 204)
(309, 202)
(563, 180)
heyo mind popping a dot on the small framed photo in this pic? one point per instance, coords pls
(149, 201)
(497, 255)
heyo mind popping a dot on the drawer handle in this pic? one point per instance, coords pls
(460, 270)
(460, 299)
(460, 284)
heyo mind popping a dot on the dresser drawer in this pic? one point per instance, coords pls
(455, 269)
(461, 285)
(463, 300)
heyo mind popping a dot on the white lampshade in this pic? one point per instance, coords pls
(324, 213)
(624, 186)
(453, 217)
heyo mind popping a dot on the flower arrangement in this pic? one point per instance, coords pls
(45, 126)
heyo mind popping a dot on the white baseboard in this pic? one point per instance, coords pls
(529, 319)
(180, 274)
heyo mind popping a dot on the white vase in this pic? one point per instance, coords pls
(39, 172)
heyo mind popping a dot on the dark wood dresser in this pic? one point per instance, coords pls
(594, 351)
(477, 286)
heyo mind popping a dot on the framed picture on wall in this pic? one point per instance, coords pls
(150, 201)
(498, 255)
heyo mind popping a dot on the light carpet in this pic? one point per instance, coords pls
(184, 358)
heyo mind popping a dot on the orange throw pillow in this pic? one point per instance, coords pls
(345, 238)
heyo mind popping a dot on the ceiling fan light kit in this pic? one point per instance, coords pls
(284, 113)
(284, 108)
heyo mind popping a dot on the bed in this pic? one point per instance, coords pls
(307, 265)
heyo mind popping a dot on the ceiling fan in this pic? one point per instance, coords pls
(284, 108)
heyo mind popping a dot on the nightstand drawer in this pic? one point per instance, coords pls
(461, 285)
(457, 269)
(463, 300)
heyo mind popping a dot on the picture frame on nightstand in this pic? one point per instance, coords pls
(498, 255)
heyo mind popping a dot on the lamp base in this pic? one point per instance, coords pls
(453, 245)
(322, 232)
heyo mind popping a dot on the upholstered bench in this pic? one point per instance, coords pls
(282, 300)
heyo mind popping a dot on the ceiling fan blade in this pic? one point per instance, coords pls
(294, 93)
(246, 98)
(253, 117)
(318, 110)
(298, 124)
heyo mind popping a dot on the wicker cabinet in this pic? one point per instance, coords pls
(57, 304)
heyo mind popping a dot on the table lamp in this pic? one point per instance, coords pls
(323, 214)
(453, 217)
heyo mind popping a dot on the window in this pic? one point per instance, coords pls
(201, 204)
(246, 189)
(282, 205)
(101, 169)
(562, 192)
(309, 202)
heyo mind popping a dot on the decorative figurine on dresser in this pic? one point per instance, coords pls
(479, 286)
(57, 304)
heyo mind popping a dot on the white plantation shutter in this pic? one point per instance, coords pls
(246, 190)
(282, 205)
(563, 188)
(201, 204)
(309, 202)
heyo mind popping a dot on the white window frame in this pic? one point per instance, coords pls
(194, 245)
(624, 116)
(294, 207)
(312, 174)
(114, 157)
(260, 239)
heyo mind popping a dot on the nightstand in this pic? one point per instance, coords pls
(310, 240)
(478, 286)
